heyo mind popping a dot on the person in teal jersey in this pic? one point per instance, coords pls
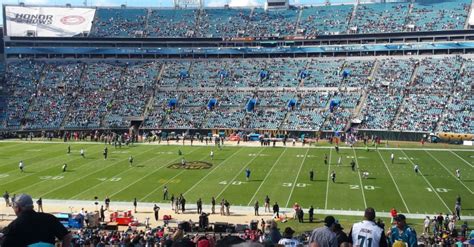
(402, 232)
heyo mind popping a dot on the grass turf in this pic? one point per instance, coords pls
(281, 173)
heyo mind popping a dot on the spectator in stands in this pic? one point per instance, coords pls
(31, 227)
(287, 238)
(367, 229)
(402, 232)
(6, 196)
(325, 235)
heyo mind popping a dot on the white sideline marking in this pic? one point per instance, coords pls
(237, 174)
(449, 172)
(231, 144)
(240, 209)
(360, 179)
(431, 186)
(296, 178)
(209, 173)
(393, 180)
(268, 174)
(327, 180)
(462, 158)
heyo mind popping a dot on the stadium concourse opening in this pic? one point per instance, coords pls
(215, 126)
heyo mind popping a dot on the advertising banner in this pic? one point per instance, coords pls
(47, 21)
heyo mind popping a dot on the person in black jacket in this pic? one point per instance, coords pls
(276, 210)
(31, 227)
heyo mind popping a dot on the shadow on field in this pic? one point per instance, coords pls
(141, 166)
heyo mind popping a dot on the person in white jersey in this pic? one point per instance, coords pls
(367, 233)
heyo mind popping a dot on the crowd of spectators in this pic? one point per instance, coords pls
(380, 17)
(437, 75)
(441, 15)
(226, 23)
(379, 110)
(409, 94)
(100, 82)
(394, 73)
(307, 21)
(324, 20)
(276, 23)
(54, 96)
(22, 78)
(135, 89)
(420, 112)
(113, 22)
(324, 73)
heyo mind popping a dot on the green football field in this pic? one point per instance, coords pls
(281, 173)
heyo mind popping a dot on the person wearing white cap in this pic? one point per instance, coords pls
(31, 227)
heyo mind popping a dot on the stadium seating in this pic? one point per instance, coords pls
(380, 17)
(394, 73)
(21, 87)
(314, 99)
(307, 21)
(458, 114)
(310, 120)
(379, 110)
(437, 75)
(324, 20)
(273, 23)
(449, 15)
(324, 73)
(114, 22)
(224, 118)
(358, 73)
(420, 112)
(264, 119)
(224, 22)
(100, 82)
(172, 23)
(408, 94)
(136, 85)
(55, 94)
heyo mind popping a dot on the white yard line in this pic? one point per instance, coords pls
(428, 182)
(360, 179)
(454, 176)
(171, 179)
(209, 173)
(394, 182)
(268, 175)
(296, 178)
(152, 172)
(125, 171)
(95, 171)
(61, 173)
(327, 183)
(46, 167)
(237, 174)
(462, 158)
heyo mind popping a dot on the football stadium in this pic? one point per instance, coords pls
(275, 123)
